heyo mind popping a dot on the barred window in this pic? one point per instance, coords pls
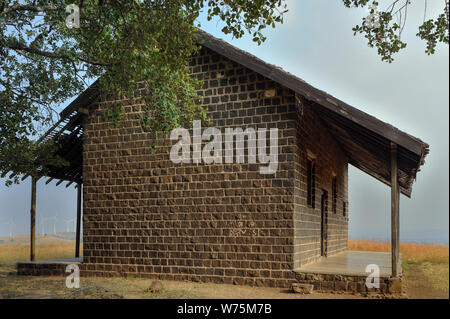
(334, 191)
(311, 183)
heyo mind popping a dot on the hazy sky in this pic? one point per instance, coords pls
(317, 44)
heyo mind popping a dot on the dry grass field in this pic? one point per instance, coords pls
(411, 252)
(47, 247)
(425, 266)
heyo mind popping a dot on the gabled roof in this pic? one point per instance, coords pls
(365, 139)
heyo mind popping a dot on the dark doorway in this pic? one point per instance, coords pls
(323, 224)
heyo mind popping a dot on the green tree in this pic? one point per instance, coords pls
(386, 33)
(43, 62)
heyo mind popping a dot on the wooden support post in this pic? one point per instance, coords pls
(33, 219)
(77, 241)
(395, 213)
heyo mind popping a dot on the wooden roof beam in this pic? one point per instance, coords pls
(75, 161)
(71, 121)
(69, 183)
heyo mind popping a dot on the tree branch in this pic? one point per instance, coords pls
(22, 7)
(52, 55)
(19, 46)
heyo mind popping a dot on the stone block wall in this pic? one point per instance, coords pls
(316, 143)
(145, 216)
(44, 268)
(350, 284)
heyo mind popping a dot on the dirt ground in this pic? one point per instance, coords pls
(13, 286)
(419, 286)
(425, 268)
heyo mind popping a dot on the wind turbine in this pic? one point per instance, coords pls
(11, 224)
(54, 225)
(68, 221)
(42, 227)
(43, 220)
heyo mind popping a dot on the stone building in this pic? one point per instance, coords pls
(144, 215)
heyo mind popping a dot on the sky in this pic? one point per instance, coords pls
(317, 44)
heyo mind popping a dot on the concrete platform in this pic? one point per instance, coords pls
(346, 272)
(66, 261)
(52, 267)
(350, 263)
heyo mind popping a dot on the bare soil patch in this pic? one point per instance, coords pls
(419, 285)
(13, 286)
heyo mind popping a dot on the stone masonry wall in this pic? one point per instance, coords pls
(350, 284)
(44, 268)
(314, 138)
(227, 223)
